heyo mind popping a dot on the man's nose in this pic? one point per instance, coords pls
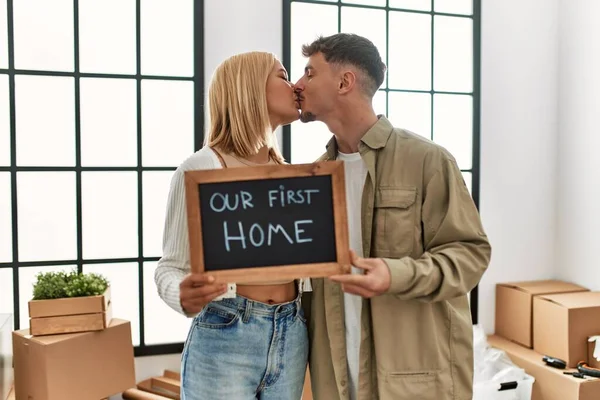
(299, 86)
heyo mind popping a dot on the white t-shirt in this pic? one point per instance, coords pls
(355, 171)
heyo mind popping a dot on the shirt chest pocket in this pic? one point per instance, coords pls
(395, 221)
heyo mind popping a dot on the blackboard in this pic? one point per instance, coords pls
(268, 222)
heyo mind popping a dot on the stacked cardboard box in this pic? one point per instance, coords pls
(514, 307)
(74, 366)
(550, 318)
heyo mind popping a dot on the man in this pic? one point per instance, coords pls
(399, 327)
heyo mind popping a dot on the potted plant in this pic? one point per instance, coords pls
(69, 302)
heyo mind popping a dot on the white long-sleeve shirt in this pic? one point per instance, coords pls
(174, 264)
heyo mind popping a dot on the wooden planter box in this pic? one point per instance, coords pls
(70, 315)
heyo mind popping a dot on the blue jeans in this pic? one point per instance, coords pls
(239, 349)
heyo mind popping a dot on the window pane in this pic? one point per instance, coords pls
(46, 216)
(107, 50)
(158, 316)
(5, 218)
(27, 278)
(110, 214)
(453, 126)
(454, 6)
(410, 51)
(411, 111)
(379, 102)
(167, 37)
(377, 3)
(3, 36)
(279, 139)
(6, 291)
(453, 47)
(156, 190)
(308, 141)
(4, 122)
(468, 177)
(51, 47)
(167, 122)
(422, 5)
(307, 23)
(366, 22)
(124, 292)
(108, 122)
(45, 112)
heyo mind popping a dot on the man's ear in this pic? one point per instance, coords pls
(347, 81)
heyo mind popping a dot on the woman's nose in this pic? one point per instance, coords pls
(298, 85)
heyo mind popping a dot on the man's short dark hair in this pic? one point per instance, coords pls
(348, 48)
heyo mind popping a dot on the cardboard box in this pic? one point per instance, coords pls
(593, 342)
(76, 366)
(70, 315)
(550, 383)
(514, 307)
(562, 324)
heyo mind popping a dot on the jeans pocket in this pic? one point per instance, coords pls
(300, 315)
(217, 318)
(186, 344)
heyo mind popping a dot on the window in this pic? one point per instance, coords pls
(93, 122)
(431, 49)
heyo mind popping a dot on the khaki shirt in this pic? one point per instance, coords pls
(416, 340)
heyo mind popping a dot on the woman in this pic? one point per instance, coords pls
(253, 344)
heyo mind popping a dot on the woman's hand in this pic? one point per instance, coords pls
(197, 290)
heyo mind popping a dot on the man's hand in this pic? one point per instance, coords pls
(376, 279)
(197, 290)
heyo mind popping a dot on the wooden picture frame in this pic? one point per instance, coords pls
(335, 169)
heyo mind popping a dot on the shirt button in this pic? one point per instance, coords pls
(344, 392)
(343, 383)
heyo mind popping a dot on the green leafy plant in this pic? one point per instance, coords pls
(57, 285)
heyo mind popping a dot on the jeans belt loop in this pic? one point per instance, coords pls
(247, 310)
(298, 304)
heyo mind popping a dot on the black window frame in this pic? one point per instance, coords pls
(198, 81)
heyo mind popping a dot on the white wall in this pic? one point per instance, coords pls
(518, 142)
(578, 190)
(237, 26)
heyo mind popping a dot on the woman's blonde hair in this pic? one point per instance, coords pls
(237, 101)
